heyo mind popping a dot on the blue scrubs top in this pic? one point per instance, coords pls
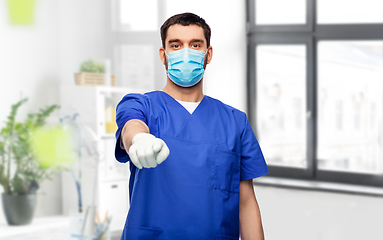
(194, 193)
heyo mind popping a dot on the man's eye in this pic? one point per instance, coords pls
(176, 46)
(195, 46)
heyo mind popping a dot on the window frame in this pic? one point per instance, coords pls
(252, 96)
(279, 28)
(118, 35)
(309, 34)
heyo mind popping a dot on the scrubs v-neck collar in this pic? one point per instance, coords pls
(176, 104)
(189, 106)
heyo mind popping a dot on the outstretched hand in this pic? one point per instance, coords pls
(147, 151)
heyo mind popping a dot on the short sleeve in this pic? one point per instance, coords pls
(253, 163)
(131, 106)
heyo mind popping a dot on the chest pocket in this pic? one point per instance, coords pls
(226, 170)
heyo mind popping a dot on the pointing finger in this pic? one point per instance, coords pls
(142, 157)
(163, 154)
(149, 154)
(134, 158)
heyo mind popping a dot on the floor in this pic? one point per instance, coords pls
(47, 228)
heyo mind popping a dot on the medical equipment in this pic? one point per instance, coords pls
(84, 137)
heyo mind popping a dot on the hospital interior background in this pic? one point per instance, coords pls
(309, 74)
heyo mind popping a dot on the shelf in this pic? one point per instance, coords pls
(109, 89)
(108, 136)
(38, 227)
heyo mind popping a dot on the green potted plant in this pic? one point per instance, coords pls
(92, 67)
(20, 172)
(92, 74)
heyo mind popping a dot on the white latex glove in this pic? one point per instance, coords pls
(147, 151)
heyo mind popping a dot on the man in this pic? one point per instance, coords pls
(193, 157)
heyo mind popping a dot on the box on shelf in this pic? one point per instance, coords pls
(92, 79)
(110, 120)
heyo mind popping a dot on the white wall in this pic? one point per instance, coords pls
(29, 59)
(225, 77)
(82, 36)
(303, 214)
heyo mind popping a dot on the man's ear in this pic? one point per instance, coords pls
(209, 54)
(162, 54)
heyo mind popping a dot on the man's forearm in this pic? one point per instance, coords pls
(249, 214)
(130, 129)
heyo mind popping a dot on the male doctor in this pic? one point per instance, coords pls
(192, 157)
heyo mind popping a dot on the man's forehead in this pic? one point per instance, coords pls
(181, 32)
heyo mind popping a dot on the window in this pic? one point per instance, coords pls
(267, 14)
(315, 77)
(132, 19)
(349, 11)
(133, 41)
(351, 73)
(280, 90)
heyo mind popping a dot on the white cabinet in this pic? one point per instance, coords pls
(114, 193)
(95, 107)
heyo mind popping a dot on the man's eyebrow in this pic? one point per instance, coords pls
(174, 40)
(178, 40)
(197, 40)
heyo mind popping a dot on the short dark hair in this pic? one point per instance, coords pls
(185, 19)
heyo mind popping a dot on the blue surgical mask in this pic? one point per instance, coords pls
(185, 67)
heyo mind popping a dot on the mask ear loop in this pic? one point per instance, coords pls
(205, 59)
(166, 61)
